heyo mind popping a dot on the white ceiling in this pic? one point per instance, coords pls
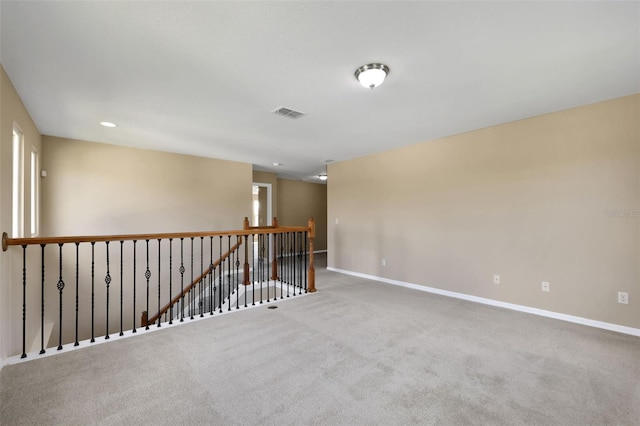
(202, 77)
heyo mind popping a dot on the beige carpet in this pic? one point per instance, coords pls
(357, 352)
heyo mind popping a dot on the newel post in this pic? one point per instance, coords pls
(274, 263)
(245, 226)
(312, 267)
(144, 319)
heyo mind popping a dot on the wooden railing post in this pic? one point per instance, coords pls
(274, 263)
(144, 319)
(312, 267)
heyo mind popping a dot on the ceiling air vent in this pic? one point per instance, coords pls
(288, 112)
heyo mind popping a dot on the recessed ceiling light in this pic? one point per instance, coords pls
(108, 124)
(277, 164)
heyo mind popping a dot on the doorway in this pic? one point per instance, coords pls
(262, 204)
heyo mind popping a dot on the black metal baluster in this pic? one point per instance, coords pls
(298, 277)
(191, 298)
(246, 261)
(231, 263)
(301, 255)
(294, 259)
(298, 265)
(306, 257)
(253, 270)
(159, 263)
(182, 279)
(121, 282)
(290, 259)
(268, 262)
(229, 275)
(107, 280)
(93, 296)
(170, 282)
(212, 276)
(237, 257)
(77, 286)
(282, 261)
(280, 271)
(147, 275)
(200, 293)
(261, 262)
(60, 287)
(24, 302)
(286, 259)
(42, 246)
(134, 286)
(220, 279)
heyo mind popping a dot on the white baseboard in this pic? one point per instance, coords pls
(521, 308)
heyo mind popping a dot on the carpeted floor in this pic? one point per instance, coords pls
(357, 352)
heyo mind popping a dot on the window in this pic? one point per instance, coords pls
(35, 192)
(17, 189)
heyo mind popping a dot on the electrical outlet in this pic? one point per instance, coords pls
(546, 286)
(384, 262)
(623, 297)
(496, 279)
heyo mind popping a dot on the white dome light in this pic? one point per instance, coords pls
(372, 75)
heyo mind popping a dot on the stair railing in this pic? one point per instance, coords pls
(166, 308)
(105, 281)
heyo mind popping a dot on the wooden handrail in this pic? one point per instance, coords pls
(165, 308)
(6, 241)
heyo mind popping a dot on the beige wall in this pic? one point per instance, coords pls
(298, 201)
(12, 111)
(263, 214)
(533, 200)
(94, 188)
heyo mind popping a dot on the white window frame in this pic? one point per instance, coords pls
(17, 182)
(35, 192)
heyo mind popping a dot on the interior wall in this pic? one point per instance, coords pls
(94, 188)
(97, 189)
(12, 111)
(298, 201)
(263, 199)
(551, 198)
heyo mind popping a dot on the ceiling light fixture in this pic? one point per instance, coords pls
(108, 124)
(372, 75)
(323, 176)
